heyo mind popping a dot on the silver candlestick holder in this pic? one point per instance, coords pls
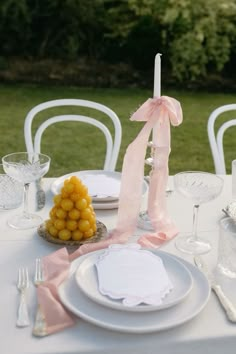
(143, 219)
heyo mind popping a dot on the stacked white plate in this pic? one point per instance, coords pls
(103, 186)
(81, 295)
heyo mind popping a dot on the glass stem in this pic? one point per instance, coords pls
(25, 200)
(195, 221)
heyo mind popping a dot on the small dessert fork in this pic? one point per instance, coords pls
(22, 285)
(40, 327)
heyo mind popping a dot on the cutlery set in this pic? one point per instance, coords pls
(22, 285)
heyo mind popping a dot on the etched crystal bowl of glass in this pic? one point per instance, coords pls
(25, 168)
(11, 192)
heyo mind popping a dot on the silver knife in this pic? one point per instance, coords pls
(40, 194)
(227, 305)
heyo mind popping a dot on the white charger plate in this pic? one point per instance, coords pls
(103, 186)
(178, 273)
(134, 322)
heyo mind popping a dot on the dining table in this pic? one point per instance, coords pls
(208, 331)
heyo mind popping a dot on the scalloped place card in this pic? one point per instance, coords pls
(137, 276)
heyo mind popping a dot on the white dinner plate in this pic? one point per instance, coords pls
(106, 205)
(135, 322)
(103, 186)
(178, 273)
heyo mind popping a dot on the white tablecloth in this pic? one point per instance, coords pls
(210, 330)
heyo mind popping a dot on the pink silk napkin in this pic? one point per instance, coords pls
(51, 315)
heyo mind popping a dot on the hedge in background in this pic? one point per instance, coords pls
(198, 38)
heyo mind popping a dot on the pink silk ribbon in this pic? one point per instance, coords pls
(157, 113)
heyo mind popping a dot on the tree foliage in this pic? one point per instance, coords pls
(197, 37)
(202, 33)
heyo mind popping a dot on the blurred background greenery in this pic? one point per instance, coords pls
(104, 50)
(112, 43)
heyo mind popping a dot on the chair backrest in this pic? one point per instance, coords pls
(216, 140)
(112, 145)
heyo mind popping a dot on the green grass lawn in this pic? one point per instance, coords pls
(75, 146)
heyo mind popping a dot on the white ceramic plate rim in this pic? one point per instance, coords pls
(174, 269)
(129, 322)
(57, 184)
(99, 202)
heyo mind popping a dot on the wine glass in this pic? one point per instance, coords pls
(200, 187)
(25, 168)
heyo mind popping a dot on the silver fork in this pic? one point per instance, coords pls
(38, 275)
(40, 326)
(22, 285)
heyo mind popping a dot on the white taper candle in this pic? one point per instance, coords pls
(157, 76)
(156, 90)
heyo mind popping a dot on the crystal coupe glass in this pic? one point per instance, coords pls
(25, 168)
(200, 187)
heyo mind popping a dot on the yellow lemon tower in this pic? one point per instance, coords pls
(72, 217)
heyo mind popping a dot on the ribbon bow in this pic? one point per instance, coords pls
(151, 109)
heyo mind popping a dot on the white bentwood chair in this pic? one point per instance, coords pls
(216, 139)
(112, 145)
